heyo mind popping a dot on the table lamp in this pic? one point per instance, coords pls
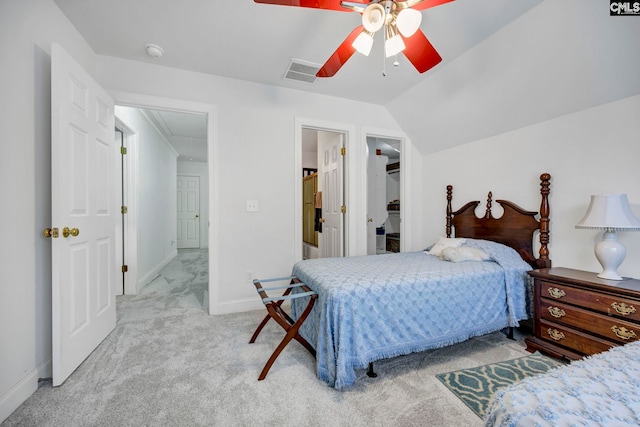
(610, 212)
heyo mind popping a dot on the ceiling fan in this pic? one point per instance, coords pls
(400, 21)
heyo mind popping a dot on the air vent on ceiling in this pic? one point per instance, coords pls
(302, 71)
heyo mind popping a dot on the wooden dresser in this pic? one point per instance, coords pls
(577, 314)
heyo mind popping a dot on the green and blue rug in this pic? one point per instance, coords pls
(476, 386)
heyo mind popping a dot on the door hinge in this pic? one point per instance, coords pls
(123, 150)
(343, 151)
(123, 210)
(343, 209)
(125, 268)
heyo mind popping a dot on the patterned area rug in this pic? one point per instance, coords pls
(476, 386)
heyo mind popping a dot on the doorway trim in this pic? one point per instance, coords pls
(129, 174)
(137, 100)
(350, 181)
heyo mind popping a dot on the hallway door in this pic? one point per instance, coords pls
(331, 184)
(188, 212)
(84, 214)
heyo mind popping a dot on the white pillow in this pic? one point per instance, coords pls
(464, 253)
(445, 242)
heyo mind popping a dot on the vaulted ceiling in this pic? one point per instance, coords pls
(256, 42)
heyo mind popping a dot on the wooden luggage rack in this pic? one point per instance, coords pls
(277, 313)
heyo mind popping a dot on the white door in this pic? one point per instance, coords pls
(376, 200)
(330, 183)
(84, 195)
(188, 212)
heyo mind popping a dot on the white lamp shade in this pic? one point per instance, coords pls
(609, 211)
(373, 17)
(363, 43)
(408, 21)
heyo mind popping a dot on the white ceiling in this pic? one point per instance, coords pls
(186, 132)
(256, 42)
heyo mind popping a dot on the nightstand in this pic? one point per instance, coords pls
(578, 314)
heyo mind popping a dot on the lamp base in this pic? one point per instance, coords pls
(610, 253)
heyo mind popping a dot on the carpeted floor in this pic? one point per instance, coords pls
(168, 363)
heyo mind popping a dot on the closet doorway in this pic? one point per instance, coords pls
(383, 195)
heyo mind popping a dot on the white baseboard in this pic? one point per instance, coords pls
(238, 306)
(20, 392)
(148, 278)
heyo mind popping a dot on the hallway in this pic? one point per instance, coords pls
(181, 287)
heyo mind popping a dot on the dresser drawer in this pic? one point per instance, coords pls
(571, 338)
(607, 304)
(608, 327)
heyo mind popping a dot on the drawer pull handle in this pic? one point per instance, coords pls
(623, 308)
(623, 333)
(556, 293)
(555, 334)
(556, 312)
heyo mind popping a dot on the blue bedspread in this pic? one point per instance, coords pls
(601, 390)
(381, 306)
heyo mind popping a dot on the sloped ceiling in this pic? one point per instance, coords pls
(256, 42)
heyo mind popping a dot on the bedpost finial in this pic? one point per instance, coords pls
(487, 213)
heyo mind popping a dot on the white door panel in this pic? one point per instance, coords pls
(188, 211)
(84, 197)
(330, 171)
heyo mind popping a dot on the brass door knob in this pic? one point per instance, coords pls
(70, 231)
(322, 220)
(369, 219)
(50, 232)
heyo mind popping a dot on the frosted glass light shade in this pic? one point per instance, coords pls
(363, 43)
(393, 45)
(408, 21)
(610, 212)
(373, 17)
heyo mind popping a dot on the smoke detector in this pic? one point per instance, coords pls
(154, 50)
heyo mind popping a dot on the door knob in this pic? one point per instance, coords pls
(322, 220)
(369, 219)
(197, 216)
(70, 231)
(50, 232)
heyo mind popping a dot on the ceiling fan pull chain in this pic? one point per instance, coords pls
(384, 56)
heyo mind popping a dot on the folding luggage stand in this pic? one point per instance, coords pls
(275, 311)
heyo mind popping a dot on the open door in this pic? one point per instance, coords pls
(84, 214)
(331, 185)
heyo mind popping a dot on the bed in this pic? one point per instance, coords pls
(601, 390)
(380, 306)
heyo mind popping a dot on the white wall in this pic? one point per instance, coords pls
(560, 57)
(201, 170)
(156, 196)
(595, 151)
(255, 138)
(27, 28)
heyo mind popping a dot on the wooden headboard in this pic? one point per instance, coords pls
(515, 228)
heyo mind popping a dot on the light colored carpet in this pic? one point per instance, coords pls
(167, 363)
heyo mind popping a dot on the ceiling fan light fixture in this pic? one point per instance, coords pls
(373, 17)
(363, 43)
(393, 45)
(408, 21)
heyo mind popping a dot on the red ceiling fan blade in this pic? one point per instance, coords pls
(317, 4)
(420, 52)
(340, 56)
(426, 4)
